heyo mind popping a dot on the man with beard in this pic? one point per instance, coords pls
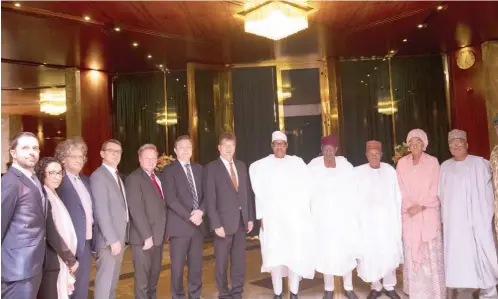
(23, 221)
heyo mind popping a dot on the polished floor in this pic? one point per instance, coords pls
(258, 285)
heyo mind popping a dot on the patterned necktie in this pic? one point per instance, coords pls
(153, 177)
(190, 179)
(119, 183)
(234, 177)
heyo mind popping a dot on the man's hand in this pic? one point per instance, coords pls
(250, 226)
(115, 248)
(148, 244)
(415, 210)
(196, 217)
(262, 226)
(220, 232)
(74, 268)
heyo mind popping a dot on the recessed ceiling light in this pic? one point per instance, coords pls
(361, 81)
(87, 18)
(20, 88)
(441, 7)
(392, 51)
(135, 44)
(160, 65)
(17, 4)
(405, 40)
(420, 26)
(117, 29)
(375, 68)
(149, 56)
(177, 79)
(368, 75)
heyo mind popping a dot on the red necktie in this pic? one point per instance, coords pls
(153, 177)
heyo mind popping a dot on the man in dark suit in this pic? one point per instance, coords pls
(182, 182)
(23, 221)
(228, 196)
(147, 222)
(75, 193)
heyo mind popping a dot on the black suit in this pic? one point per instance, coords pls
(147, 219)
(231, 209)
(185, 238)
(55, 247)
(23, 236)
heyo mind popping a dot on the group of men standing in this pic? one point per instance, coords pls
(327, 216)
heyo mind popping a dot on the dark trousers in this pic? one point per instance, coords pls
(233, 247)
(190, 248)
(26, 289)
(147, 264)
(82, 275)
(48, 286)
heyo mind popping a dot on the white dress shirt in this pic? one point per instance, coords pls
(116, 177)
(86, 201)
(227, 166)
(186, 173)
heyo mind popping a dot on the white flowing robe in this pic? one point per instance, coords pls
(380, 221)
(282, 192)
(467, 205)
(335, 210)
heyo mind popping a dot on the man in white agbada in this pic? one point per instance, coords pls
(466, 195)
(380, 222)
(281, 185)
(335, 211)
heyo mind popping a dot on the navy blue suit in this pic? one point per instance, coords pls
(23, 236)
(74, 206)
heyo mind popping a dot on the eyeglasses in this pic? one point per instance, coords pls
(53, 174)
(119, 152)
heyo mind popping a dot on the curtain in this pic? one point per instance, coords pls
(177, 92)
(365, 93)
(206, 125)
(418, 86)
(138, 101)
(255, 111)
(419, 102)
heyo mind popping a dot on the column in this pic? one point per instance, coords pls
(490, 86)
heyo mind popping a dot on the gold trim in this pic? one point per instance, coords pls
(447, 89)
(393, 116)
(166, 113)
(192, 110)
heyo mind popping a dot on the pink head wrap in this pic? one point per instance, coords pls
(419, 134)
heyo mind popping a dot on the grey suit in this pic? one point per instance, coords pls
(147, 219)
(231, 209)
(185, 238)
(23, 236)
(74, 206)
(111, 214)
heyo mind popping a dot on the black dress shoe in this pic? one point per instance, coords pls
(293, 296)
(351, 295)
(328, 295)
(277, 296)
(392, 294)
(374, 294)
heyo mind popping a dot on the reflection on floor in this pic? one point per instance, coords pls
(258, 285)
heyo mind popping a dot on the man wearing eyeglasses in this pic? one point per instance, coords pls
(466, 195)
(75, 193)
(111, 212)
(23, 221)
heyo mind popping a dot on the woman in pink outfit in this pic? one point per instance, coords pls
(418, 175)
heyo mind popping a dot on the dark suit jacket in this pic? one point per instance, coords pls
(180, 200)
(224, 203)
(72, 201)
(56, 246)
(147, 208)
(23, 227)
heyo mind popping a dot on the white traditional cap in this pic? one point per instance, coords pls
(278, 136)
(457, 134)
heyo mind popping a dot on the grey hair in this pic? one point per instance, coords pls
(64, 148)
(146, 147)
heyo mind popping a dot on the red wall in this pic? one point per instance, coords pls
(468, 107)
(96, 114)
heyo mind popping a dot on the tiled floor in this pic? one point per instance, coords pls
(258, 285)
